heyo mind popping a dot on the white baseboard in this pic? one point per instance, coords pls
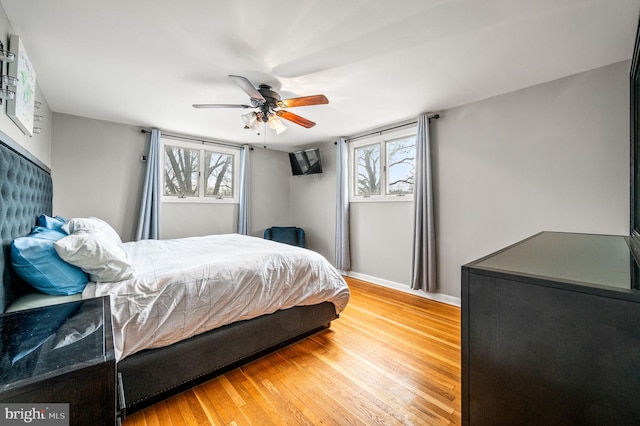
(438, 297)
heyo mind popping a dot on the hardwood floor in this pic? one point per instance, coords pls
(391, 358)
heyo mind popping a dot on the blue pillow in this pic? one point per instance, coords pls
(35, 260)
(50, 222)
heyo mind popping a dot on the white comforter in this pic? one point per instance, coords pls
(186, 286)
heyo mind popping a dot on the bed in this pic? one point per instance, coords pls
(158, 363)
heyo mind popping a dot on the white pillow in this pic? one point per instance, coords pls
(90, 224)
(96, 254)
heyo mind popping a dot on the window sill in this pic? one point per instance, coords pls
(382, 199)
(190, 200)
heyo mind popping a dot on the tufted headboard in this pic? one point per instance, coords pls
(26, 191)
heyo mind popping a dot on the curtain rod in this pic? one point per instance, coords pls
(188, 138)
(434, 116)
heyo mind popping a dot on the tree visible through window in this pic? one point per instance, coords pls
(219, 175)
(181, 171)
(401, 161)
(368, 170)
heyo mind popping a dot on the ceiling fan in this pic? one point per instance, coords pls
(266, 102)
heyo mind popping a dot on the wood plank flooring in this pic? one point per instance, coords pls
(391, 358)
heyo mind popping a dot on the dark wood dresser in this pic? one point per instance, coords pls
(61, 354)
(551, 333)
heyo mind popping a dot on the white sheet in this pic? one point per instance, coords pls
(38, 300)
(186, 286)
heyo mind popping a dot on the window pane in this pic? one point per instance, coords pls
(181, 171)
(219, 175)
(368, 170)
(401, 160)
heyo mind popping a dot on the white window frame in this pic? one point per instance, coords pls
(202, 148)
(381, 139)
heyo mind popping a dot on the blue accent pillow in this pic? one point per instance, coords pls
(50, 222)
(35, 260)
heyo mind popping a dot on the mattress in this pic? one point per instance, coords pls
(187, 286)
(37, 300)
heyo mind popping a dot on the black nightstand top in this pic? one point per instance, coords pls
(52, 340)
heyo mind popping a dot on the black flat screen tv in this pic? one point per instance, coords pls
(305, 162)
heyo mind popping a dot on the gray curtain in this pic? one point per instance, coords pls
(424, 245)
(243, 185)
(149, 220)
(343, 256)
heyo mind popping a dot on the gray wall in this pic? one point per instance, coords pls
(178, 220)
(97, 171)
(549, 157)
(313, 202)
(381, 240)
(269, 196)
(39, 144)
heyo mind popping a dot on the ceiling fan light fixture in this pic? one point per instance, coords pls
(249, 118)
(251, 121)
(276, 124)
(280, 127)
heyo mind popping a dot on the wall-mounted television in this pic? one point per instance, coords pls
(305, 162)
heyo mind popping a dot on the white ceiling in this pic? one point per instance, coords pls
(145, 62)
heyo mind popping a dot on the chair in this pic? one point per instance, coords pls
(285, 234)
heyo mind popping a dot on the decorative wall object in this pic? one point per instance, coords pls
(6, 82)
(37, 118)
(21, 108)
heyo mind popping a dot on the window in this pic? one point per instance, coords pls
(401, 160)
(382, 167)
(181, 171)
(199, 173)
(368, 170)
(219, 175)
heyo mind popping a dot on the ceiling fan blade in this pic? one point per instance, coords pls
(220, 106)
(303, 101)
(248, 88)
(295, 118)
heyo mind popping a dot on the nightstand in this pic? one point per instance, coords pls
(61, 354)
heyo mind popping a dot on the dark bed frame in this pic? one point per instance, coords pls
(150, 375)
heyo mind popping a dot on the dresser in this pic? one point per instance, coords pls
(551, 333)
(61, 354)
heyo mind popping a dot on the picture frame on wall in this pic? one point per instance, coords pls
(21, 108)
